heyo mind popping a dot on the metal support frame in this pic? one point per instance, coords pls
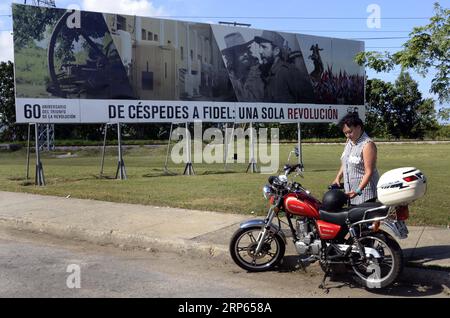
(166, 168)
(189, 169)
(39, 179)
(28, 151)
(299, 144)
(227, 144)
(252, 163)
(104, 150)
(121, 171)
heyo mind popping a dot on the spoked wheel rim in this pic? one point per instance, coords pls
(375, 271)
(246, 245)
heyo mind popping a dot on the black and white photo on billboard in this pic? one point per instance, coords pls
(61, 59)
(113, 56)
(264, 66)
(78, 66)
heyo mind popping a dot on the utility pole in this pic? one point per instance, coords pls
(235, 24)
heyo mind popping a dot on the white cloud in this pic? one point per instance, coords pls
(131, 7)
(6, 46)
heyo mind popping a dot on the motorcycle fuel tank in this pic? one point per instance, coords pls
(296, 206)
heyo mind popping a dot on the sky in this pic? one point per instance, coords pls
(347, 19)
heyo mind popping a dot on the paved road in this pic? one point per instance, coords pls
(35, 265)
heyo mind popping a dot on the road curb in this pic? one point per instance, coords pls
(138, 241)
(117, 239)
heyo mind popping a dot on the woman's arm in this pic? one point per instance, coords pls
(339, 175)
(370, 160)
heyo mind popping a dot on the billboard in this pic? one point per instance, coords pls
(89, 67)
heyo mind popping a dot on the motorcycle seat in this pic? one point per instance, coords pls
(338, 218)
(367, 211)
(355, 214)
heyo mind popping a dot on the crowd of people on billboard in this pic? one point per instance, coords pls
(266, 69)
(340, 89)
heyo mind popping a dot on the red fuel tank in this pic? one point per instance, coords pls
(302, 205)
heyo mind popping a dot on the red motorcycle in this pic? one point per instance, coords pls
(328, 232)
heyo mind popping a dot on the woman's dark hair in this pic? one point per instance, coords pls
(351, 120)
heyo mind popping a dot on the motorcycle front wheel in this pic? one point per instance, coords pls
(382, 271)
(243, 245)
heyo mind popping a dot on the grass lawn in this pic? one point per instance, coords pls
(212, 188)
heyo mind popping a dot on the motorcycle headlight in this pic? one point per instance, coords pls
(267, 192)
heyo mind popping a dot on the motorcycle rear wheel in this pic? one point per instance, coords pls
(382, 272)
(243, 244)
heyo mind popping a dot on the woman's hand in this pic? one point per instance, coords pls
(351, 194)
(336, 181)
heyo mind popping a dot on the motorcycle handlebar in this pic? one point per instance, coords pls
(289, 168)
(272, 179)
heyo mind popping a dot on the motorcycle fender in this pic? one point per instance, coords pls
(390, 224)
(258, 222)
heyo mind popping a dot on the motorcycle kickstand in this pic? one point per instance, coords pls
(322, 285)
(303, 265)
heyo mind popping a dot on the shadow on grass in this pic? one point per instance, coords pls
(17, 179)
(22, 181)
(98, 177)
(218, 172)
(157, 172)
(27, 183)
(168, 173)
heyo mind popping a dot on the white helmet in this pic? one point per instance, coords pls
(401, 186)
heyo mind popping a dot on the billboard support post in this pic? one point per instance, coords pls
(225, 146)
(121, 171)
(300, 151)
(166, 169)
(104, 149)
(39, 179)
(189, 169)
(227, 143)
(28, 152)
(252, 162)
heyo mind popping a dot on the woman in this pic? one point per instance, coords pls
(359, 159)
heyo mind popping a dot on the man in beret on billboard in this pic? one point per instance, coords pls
(284, 83)
(243, 68)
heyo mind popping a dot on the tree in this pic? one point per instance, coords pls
(9, 130)
(399, 109)
(444, 113)
(379, 96)
(428, 48)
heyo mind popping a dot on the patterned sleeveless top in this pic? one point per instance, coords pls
(353, 168)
